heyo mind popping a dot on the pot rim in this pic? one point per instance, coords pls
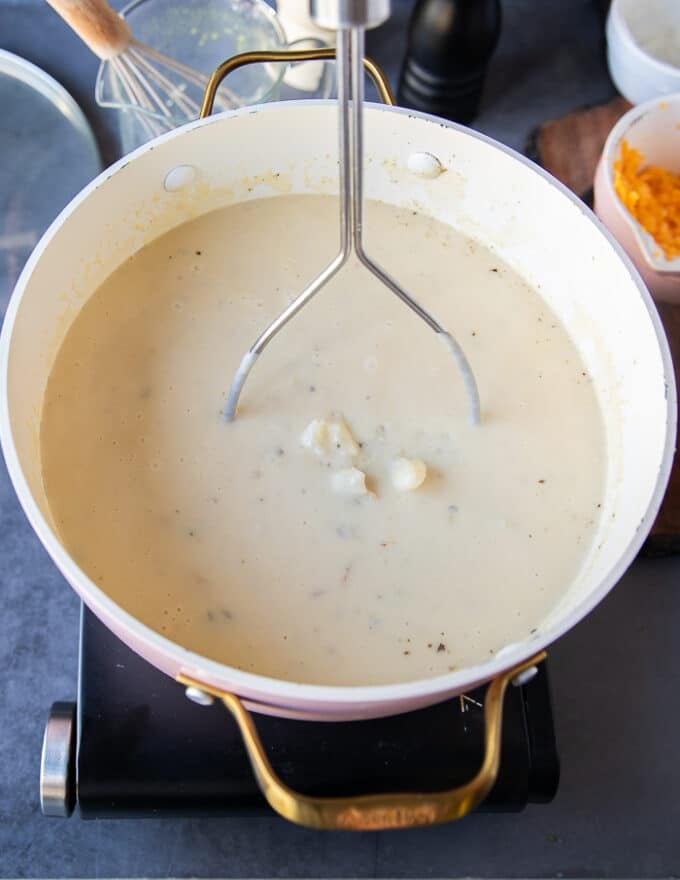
(280, 690)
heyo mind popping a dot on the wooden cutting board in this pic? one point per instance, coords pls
(570, 148)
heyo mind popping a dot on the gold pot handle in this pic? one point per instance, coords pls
(374, 71)
(376, 811)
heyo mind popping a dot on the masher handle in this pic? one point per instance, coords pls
(338, 15)
(97, 24)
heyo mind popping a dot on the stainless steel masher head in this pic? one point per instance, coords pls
(350, 18)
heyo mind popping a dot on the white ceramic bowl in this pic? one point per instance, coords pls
(654, 129)
(643, 48)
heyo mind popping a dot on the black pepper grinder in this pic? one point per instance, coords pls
(450, 43)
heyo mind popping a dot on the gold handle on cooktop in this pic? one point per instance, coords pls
(287, 55)
(376, 811)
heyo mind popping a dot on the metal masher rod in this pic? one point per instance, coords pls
(346, 223)
(357, 53)
(350, 54)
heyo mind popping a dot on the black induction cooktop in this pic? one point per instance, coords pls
(141, 748)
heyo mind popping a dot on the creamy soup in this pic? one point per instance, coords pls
(254, 543)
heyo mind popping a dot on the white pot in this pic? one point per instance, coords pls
(489, 192)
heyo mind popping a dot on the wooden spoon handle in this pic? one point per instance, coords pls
(97, 24)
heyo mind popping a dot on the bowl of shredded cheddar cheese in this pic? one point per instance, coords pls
(637, 191)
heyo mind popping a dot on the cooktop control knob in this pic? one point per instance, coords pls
(57, 762)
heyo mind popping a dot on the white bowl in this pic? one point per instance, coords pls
(654, 129)
(643, 48)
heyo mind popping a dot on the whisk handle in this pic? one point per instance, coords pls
(97, 25)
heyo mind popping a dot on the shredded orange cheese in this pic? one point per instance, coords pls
(652, 195)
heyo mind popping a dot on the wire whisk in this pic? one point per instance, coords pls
(167, 92)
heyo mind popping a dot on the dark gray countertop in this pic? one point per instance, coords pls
(616, 677)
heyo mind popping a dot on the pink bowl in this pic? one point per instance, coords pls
(654, 129)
